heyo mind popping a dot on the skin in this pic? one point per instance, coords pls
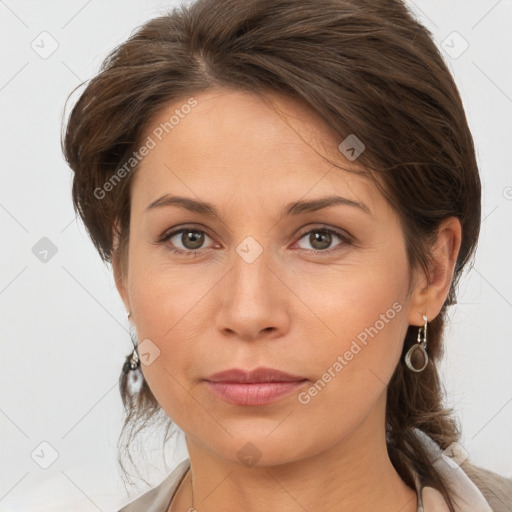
(290, 309)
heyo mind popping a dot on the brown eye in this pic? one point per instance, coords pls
(192, 240)
(186, 241)
(321, 239)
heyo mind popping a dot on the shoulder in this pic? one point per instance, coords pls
(496, 489)
(158, 498)
(471, 485)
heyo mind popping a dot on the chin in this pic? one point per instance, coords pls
(261, 446)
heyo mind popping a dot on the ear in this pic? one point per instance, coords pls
(119, 269)
(430, 292)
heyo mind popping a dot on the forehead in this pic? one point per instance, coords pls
(233, 144)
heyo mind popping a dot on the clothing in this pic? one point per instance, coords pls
(477, 489)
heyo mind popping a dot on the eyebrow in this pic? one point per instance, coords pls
(295, 208)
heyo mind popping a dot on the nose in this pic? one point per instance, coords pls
(253, 301)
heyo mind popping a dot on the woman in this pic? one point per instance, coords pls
(287, 192)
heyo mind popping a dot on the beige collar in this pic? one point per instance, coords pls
(468, 497)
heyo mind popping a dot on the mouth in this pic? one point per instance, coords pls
(256, 387)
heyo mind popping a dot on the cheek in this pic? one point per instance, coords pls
(360, 302)
(170, 313)
(362, 309)
(354, 370)
(167, 311)
(164, 296)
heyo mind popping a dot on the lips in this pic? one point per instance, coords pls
(255, 387)
(252, 376)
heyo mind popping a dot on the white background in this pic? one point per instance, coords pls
(64, 330)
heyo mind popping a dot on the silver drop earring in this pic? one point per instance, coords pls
(131, 367)
(416, 358)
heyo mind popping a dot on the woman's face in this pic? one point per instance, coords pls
(250, 291)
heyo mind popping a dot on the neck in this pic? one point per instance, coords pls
(356, 474)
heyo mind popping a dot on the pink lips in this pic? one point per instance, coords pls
(257, 387)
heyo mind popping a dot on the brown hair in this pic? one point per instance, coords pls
(368, 68)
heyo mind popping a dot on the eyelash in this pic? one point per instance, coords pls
(325, 229)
